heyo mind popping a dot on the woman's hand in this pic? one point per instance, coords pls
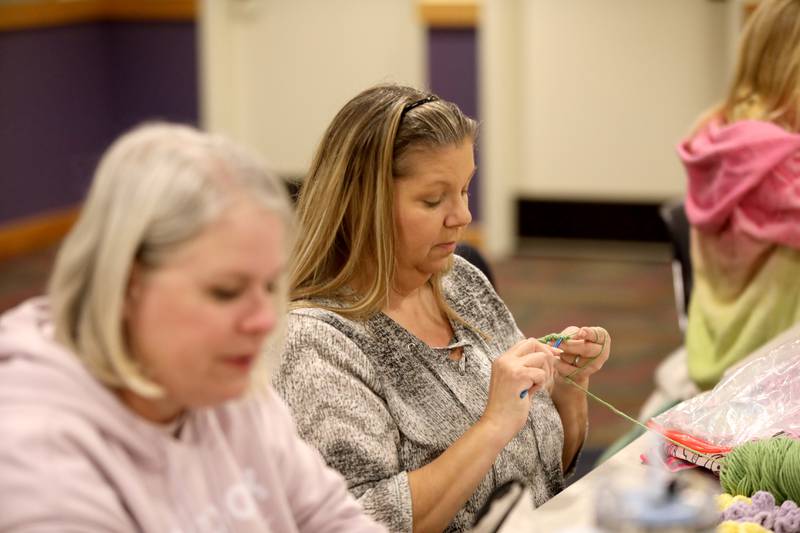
(584, 353)
(528, 366)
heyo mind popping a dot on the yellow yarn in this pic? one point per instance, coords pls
(731, 526)
(725, 500)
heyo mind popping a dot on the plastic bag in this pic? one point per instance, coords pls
(758, 400)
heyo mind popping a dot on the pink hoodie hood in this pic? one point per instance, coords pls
(35, 370)
(744, 177)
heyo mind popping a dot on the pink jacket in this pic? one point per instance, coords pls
(744, 179)
(74, 458)
(743, 202)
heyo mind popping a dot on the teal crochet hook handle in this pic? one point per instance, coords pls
(555, 345)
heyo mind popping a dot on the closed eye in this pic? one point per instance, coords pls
(224, 294)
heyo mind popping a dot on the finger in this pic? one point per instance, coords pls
(596, 342)
(532, 345)
(575, 360)
(601, 339)
(535, 379)
(523, 347)
(533, 359)
(545, 361)
(546, 348)
(567, 366)
(586, 350)
(570, 331)
(573, 345)
(593, 334)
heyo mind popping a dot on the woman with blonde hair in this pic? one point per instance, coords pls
(743, 200)
(402, 365)
(133, 397)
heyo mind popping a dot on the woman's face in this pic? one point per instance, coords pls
(431, 208)
(197, 322)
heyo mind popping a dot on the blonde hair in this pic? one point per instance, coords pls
(766, 82)
(156, 187)
(345, 204)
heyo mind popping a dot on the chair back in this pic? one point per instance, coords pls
(674, 216)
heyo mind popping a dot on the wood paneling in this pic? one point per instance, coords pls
(35, 233)
(45, 13)
(450, 13)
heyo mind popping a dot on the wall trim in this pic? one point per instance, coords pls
(34, 233)
(47, 13)
(590, 220)
(449, 13)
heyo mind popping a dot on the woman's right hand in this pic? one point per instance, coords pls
(528, 366)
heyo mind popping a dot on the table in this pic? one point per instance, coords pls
(573, 508)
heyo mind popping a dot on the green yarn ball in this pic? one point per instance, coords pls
(772, 465)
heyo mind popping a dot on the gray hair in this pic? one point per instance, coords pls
(156, 187)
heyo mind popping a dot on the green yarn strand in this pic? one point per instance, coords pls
(771, 465)
(630, 418)
(547, 339)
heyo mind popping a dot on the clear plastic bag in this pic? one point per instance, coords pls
(756, 401)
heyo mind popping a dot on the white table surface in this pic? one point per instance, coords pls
(573, 508)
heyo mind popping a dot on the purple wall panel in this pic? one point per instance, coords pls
(55, 109)
(153, 73)
(453, 75)
(66, 92)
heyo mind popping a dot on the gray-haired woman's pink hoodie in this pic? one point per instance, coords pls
(74, 458)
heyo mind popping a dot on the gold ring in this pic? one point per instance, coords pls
(575, 362)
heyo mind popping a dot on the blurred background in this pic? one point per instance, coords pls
(581, 104)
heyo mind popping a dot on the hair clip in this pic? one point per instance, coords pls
(408, 107)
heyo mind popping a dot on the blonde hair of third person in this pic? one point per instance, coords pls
(379, 215)
(766, 81)
(741, 162)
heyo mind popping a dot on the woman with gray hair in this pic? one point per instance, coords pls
(133, 396)
(402, 364)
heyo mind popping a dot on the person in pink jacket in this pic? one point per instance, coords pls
(742, 163)
(134, 397)
(743, 200)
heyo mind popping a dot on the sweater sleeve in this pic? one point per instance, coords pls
(316, 493)
(334, 395)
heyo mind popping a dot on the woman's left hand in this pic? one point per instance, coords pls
(585, 352)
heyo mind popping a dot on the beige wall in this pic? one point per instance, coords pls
(500, 94)
(580, 99)
(606, 89)
(274, 72)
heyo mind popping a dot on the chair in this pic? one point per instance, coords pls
(471, 254)
(674, 216)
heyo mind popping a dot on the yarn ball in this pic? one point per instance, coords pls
(771, 465)
(761, 510)
(740, 527)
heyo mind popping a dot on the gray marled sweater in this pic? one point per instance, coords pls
(378, 402)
